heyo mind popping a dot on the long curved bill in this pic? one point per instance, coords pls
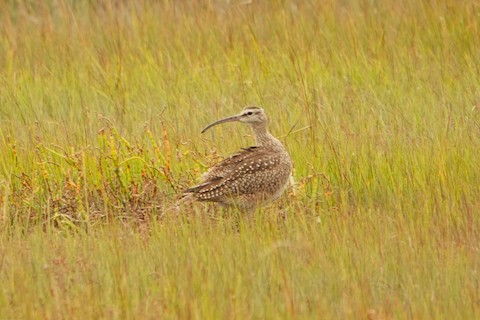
(229, 119)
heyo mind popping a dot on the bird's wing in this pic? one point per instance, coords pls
(242, 171)
(227, 165)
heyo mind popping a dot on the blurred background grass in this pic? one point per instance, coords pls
(377, 102)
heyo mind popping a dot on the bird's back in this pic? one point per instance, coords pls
(255, 174)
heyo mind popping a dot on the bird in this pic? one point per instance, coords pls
(255, 176)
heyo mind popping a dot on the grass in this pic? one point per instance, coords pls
(378, 104)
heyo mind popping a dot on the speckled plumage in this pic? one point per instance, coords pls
(254, 176)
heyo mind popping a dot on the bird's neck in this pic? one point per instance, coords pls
(264, 138)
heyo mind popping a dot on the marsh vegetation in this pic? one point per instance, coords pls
(101, 105)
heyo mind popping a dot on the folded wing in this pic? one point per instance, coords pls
(252, 170)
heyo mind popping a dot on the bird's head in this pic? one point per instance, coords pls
(251, 115)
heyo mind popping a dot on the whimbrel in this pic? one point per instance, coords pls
(254, 176)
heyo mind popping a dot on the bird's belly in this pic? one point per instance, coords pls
(277, 194)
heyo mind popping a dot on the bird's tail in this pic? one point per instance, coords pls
(186, 198)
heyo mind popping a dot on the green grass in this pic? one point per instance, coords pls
(101, 105)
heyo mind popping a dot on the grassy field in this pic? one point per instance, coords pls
(101, 107)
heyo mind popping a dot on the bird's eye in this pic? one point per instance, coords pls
(250, 113)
